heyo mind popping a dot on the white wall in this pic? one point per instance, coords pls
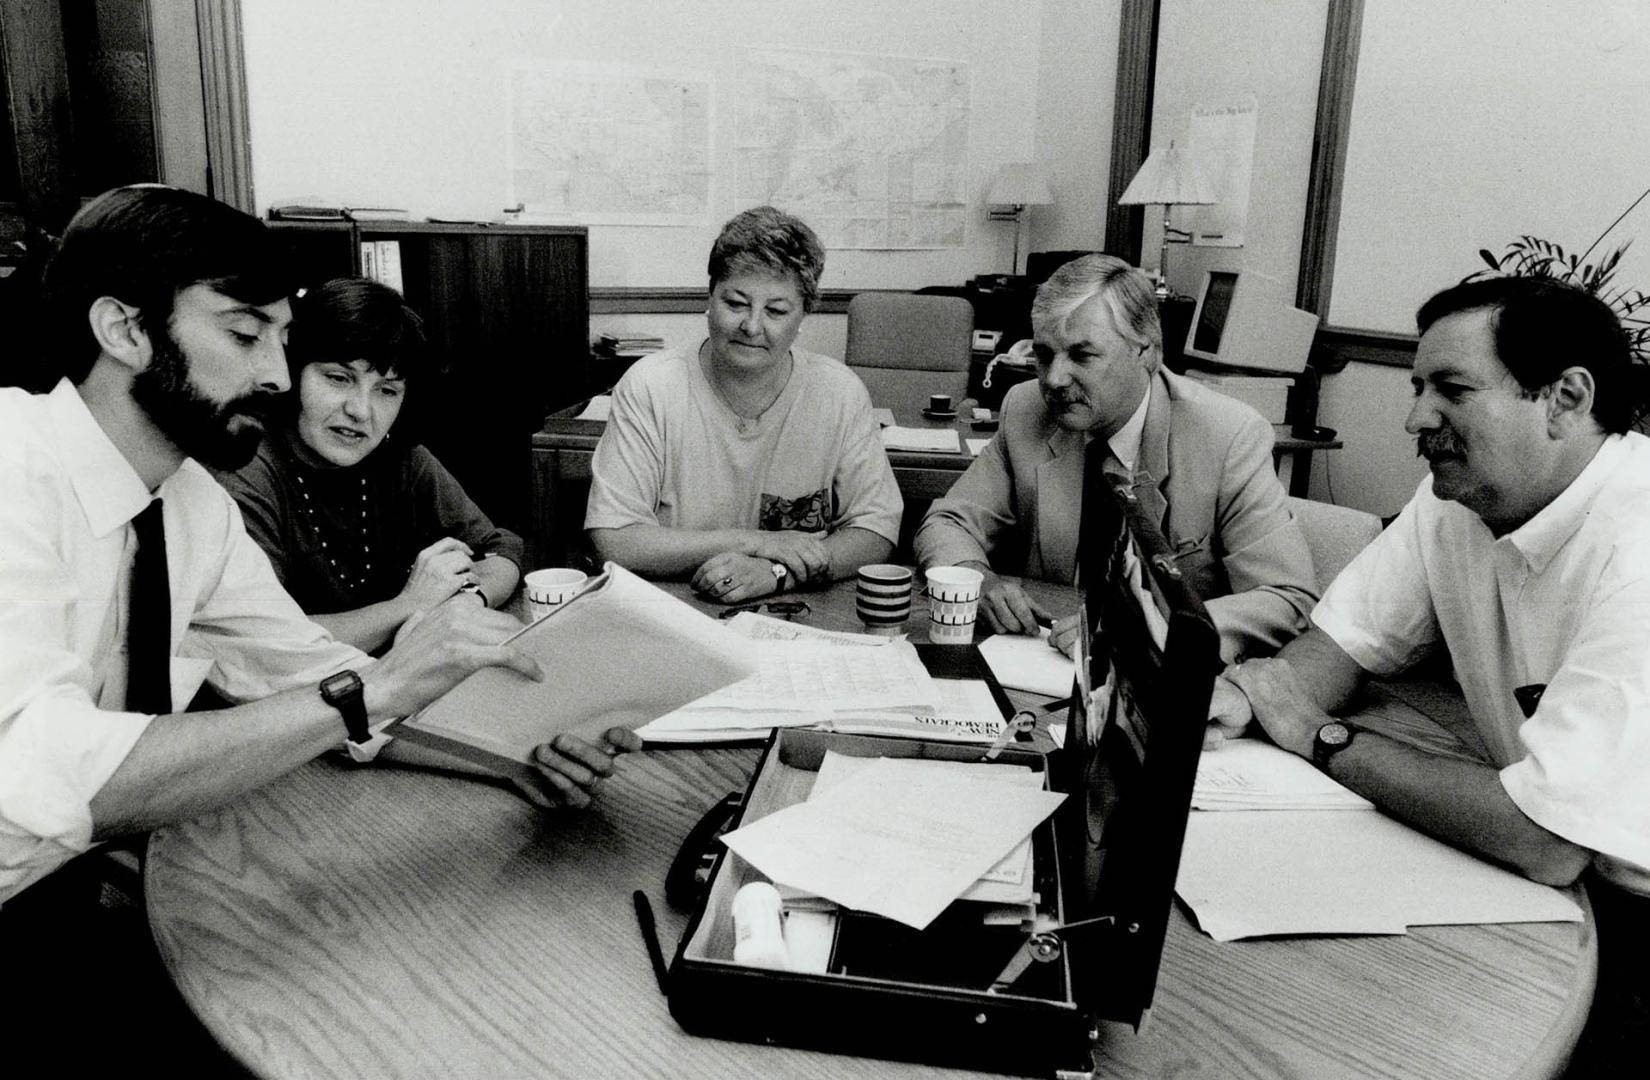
(1479, 121)
(402, 103)
(1377, 469)
(1076, 87)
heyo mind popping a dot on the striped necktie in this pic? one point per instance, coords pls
(149, 619)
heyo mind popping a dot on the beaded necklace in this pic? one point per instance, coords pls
(352, 584)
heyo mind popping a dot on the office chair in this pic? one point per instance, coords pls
(906, 347)
(1334, 534)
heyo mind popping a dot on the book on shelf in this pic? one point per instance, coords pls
(376, 213)
(381, 262)
(315, 208)
(309, 208)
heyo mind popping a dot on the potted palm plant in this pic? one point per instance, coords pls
(1531, 256)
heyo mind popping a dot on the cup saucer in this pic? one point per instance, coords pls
(950, 414)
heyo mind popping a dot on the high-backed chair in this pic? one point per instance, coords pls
(1334, 534)
(906, 347)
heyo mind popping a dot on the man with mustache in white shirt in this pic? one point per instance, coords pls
(1526, 555)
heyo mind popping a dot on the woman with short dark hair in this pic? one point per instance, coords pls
(747, 465)
(364, 530)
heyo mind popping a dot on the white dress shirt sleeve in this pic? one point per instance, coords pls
(57, 748)
(1379, 609)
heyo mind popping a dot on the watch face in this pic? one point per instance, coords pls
(1335, 735)
(340, 685)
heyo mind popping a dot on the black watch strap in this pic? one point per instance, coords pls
(346, 693)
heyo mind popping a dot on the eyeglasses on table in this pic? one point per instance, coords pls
(788, 609)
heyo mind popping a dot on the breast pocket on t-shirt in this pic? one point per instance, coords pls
(807, 513)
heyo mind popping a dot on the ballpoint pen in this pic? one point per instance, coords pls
(650, 938)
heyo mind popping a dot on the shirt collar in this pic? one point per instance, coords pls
(1540, 538)
(109, 490)
(1125, 443)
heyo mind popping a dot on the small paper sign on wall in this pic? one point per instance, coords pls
(1223, 141)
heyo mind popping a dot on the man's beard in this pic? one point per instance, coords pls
(223, 435)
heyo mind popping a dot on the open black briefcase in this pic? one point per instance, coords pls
(1023, 999)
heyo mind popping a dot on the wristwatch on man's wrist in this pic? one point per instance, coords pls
(346, 693)
(1331, 739)
(781, 576)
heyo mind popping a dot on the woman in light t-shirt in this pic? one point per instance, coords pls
(746, 465)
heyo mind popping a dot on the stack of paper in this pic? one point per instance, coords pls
(898, 838)
(935, 439)
(1248, 774)
(629, 346)
(1010, 880)
(836, 681)
(597, 408)
(1304, 855)
(1336, 872)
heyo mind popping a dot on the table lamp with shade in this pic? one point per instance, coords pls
(1016, 186)
(1170, 177)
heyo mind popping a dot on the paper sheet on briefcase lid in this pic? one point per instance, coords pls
(618, 654)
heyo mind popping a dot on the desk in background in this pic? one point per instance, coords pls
(347, 922)
(563, 448)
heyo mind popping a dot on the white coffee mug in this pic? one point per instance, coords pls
(548, 589)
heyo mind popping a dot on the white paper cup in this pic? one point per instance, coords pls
(882, 596)
(953, 603)
(548, 589)
(941, 634)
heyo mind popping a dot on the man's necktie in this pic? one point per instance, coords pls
(149, 620)
(1119, 475)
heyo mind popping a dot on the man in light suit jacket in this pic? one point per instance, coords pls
(1201, 462)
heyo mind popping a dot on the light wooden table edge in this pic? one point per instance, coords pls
(1552, 1054)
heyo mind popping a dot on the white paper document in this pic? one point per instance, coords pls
(906, 438)
(896, 839)
(805, 681)
(1248, 774)
(594, 675)
(1343, 872)
(976, 445)
(597, 408)
(1023, 662)
(767, 628)
(1009, 881)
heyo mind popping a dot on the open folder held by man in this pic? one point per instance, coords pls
(617, 654)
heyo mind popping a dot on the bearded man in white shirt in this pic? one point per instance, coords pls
(168, 312)
(1525, 554)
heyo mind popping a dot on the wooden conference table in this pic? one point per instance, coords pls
(385, 922)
